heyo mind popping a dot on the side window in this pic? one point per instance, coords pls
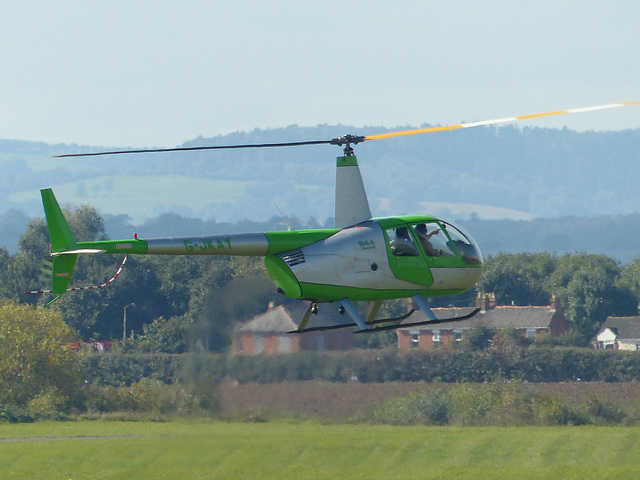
(434, 241)
(401, 243)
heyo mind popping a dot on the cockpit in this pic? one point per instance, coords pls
(436, 238)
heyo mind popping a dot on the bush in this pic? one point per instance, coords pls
(549, 410)
(495, 404)
(598, 411)
(149, 397)
(430, 408)
(47, 405)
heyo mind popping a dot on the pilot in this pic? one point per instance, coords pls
(402, 245)
(424, 235)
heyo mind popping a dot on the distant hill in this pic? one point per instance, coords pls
(493, 178)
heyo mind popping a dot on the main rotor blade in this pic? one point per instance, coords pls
(353, 139)
(494, 122)
(188, 149)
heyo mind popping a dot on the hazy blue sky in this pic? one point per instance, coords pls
(157, 73)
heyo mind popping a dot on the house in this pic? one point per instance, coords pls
(267, 333)
(98, 346)
(619, 333)
(530, 321)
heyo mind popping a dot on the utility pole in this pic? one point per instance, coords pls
(124, 320)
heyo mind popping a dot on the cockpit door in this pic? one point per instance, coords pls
(405, 257)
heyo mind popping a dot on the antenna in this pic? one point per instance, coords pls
(284, 219)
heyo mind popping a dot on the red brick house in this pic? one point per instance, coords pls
(530, 321)
(267, 333)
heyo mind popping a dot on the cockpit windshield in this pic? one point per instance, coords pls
(465, 244)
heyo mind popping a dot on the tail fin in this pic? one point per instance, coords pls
(352, 205)
(63, 245)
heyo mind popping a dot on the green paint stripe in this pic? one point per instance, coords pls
(348, 161)
(284, 241)
(333, 293)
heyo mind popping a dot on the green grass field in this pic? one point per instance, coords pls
(278, 450)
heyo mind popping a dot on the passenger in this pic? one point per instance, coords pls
(424, 235)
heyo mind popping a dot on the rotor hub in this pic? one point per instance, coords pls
(347, 140)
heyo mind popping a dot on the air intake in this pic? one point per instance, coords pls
(293, 257)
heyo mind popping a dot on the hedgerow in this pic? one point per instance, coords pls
(369, 366)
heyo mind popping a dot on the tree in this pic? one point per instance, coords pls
(519, 279)
(586, 286)
(629, 278)
(479, 337)
(164, 336)
(37, 365)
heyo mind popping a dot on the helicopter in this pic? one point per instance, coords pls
(362, 258)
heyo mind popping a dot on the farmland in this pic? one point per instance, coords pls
(340, 402)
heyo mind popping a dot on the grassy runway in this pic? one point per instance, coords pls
(278, 450)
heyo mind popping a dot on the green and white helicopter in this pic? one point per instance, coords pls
(363, 258)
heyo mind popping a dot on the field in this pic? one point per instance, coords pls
(305, 450)
(340, 402)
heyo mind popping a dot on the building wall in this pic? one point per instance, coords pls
(559, 325)
(246, 342)
(424, 339)
(255, 343)
(404, 340)
(270, 344)
(606, 339)
(447, 338)
(320, 341)
(628, 344)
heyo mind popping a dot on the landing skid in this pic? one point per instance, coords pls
(416, 324)
(388, 323)
(350, 325)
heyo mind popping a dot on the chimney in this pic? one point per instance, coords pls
(491, 300)
(555, 303)
(486, 301)
(270, 306)
(481, 301)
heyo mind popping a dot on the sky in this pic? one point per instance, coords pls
(159, 73)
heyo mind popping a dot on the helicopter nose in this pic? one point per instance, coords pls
(474, 274)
